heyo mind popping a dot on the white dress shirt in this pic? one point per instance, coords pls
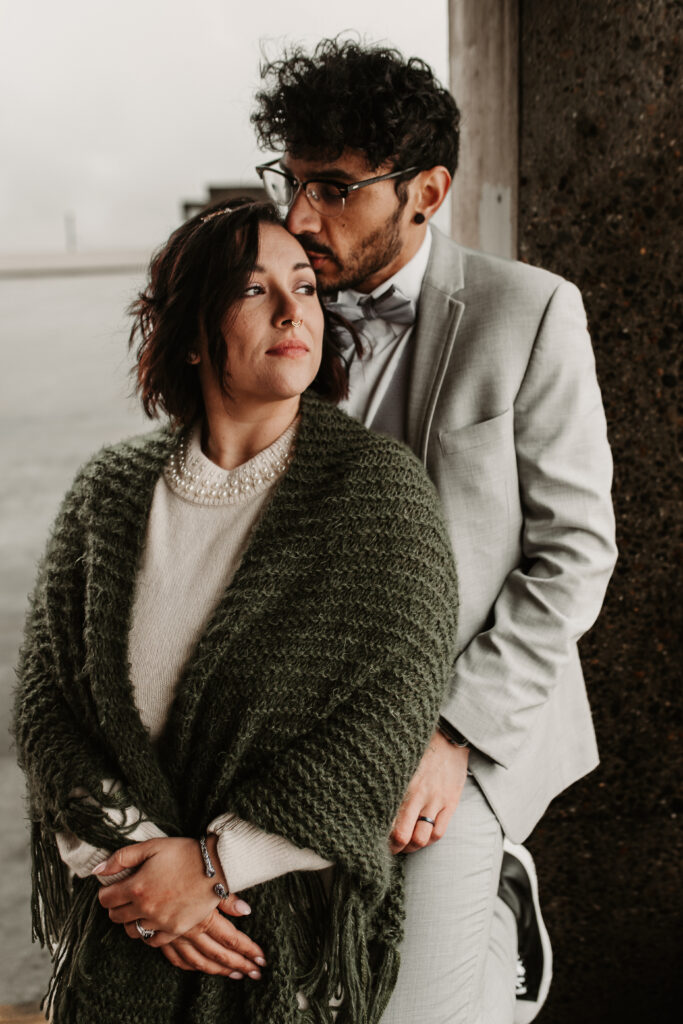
(385, 343)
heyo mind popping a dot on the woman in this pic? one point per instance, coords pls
(244, 623)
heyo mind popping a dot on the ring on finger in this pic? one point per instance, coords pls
(430, 821)
(144, 933)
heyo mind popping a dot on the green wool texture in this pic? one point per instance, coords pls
(304, 708)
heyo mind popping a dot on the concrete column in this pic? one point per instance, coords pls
(484, 69)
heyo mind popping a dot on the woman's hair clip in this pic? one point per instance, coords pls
(218, 213)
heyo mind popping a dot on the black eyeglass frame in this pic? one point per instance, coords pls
(344, 187)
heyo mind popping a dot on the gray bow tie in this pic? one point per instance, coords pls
(391, 305)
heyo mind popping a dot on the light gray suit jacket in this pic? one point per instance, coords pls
(504, 409)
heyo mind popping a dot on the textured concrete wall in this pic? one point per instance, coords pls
(600, 200)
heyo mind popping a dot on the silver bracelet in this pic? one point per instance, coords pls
(210, 870)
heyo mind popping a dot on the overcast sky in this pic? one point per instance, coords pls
(115, 111)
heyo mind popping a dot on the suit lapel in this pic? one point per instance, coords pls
(438, 319)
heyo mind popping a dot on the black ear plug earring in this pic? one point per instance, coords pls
(419, 218)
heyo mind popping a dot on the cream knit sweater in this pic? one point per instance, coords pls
(198, 529)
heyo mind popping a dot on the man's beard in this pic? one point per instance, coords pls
(373, 253)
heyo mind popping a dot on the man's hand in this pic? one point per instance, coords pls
(216, 946)
(434, 792)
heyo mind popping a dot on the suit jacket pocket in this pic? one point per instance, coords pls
(475, 472)
(475, 435)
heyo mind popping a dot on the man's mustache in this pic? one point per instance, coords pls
(311, 245)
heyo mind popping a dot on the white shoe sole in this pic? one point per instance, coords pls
(527, 1010)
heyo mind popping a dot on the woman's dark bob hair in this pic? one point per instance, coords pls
(194, 280)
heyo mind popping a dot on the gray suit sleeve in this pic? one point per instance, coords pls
(509, 671)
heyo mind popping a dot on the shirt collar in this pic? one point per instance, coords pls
(408, 279)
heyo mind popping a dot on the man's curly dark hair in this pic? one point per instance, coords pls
(370, 99)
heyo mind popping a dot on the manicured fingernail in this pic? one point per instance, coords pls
(236, 975)
(100, 869)
(260, 961)
(242, 907)
(255, 975)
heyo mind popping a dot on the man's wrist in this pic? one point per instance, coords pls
(453, 735)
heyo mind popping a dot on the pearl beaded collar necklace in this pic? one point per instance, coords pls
(197, 479)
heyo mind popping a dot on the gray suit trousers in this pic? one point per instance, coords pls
(458, 957)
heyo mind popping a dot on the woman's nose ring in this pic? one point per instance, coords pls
(296, 323)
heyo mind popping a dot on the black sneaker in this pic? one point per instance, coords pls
(519, 890)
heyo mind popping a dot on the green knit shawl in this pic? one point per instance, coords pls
(304, 709)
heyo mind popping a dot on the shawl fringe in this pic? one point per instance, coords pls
(338, 968)
(83, 918)
(51, 891)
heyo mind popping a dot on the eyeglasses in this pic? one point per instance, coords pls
(327, 198)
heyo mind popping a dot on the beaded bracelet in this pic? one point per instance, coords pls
(210, 870)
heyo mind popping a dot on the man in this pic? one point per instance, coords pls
(494, 387)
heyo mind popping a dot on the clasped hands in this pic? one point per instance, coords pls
(170, 893)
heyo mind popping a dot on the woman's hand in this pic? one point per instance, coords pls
(168, 892)
(216, 946)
